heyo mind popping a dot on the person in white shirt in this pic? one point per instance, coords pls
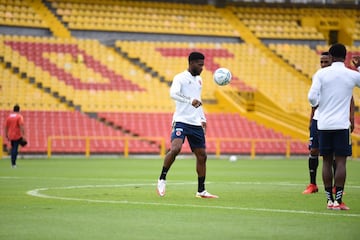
(331, 92)
(313, 161)
(188, 121)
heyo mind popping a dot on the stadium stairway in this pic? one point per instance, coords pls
(290, 124)
(52, 22)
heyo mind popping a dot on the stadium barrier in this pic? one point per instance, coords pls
(253, 143)
(217, 142)
(87, 140)
(161, 140)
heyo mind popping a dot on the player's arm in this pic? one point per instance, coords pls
(314, 92)
(21, 126)
(176, 94)
(22, 130)
(6, 132)
(352, 114)
(356, 61)
(203, 119)
(312, 115)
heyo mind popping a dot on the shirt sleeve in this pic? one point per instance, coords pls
(176, 94)
(314, 92)
(202, 114)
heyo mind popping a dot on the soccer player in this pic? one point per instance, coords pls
(325, 61)
(331, 92)
(188, 121)
(15, 132)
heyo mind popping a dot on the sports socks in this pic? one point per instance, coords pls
(164, 171)
(328, 192)
(313, 165)
(201, 184)
(339, 193)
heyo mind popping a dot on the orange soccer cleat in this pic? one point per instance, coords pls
(311, 188)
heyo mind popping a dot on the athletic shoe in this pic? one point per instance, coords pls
(330, 205)
(340, 206)
(205, 194)
(14, 166)
(311, 188)
(161, 187)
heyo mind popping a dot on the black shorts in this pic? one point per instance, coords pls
(336, 142)
(314, 137)
(194, 134)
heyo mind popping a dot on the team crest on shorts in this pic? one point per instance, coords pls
(310, 141)
(178, 131)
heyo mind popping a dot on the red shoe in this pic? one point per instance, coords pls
(311, 188)
(340, 206)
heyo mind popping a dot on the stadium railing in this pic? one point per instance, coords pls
(87, 140)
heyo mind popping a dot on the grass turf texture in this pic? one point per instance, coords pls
(107, 198)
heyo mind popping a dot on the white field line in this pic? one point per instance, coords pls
(37, 193)
(120, 179)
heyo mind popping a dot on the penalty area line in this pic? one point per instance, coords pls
(37, 193)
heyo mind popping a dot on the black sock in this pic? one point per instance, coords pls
(328, 192)
(339, 193)
(201, 184)
(313, 165)
(164, 171)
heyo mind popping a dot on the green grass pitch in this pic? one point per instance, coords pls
(115, 198)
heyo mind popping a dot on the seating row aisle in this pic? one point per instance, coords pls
(13, 90)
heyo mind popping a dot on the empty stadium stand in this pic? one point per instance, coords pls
(137, 16)
(74, 88)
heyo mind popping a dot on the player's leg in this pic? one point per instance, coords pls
(342, 150)
(177, 140)
(327, 176)
(14, 152)
(327, 151)
(196, 139)
(170, 156)
(201, 158)
(313, 161)
(334, 172)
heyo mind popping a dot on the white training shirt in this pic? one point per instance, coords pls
(331, 91)
(184, 89)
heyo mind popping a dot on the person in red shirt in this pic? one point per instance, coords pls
(15, 132)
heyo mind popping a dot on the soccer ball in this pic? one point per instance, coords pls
(232, 158)
(222, 76)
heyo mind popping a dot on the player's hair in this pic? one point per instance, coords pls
(196, 56)
(338, 50)
(16, 108)
(325, 54)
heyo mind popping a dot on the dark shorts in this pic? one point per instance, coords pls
(336, 142)
(194, 134)
(314, 137)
